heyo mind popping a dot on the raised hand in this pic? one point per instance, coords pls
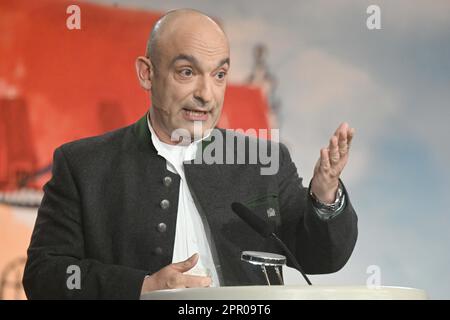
(331, 163)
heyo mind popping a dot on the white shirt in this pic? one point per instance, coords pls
(190, 236)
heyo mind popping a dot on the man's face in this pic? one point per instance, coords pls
(189, 80)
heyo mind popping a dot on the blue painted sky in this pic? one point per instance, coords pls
(392, 85)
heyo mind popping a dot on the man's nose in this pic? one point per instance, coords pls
(203, 91)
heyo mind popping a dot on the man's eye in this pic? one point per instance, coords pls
(186, 72)
(221, 75)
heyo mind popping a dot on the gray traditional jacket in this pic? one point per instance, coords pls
(110, 209)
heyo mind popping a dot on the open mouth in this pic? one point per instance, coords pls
(195, 115)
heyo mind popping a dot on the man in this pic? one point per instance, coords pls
(132, 211)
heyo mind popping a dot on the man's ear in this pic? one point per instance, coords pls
(144, 70)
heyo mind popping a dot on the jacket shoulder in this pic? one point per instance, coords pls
(100, 146)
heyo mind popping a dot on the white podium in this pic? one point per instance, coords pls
(316, 292)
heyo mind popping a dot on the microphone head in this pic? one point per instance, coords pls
(257, 224)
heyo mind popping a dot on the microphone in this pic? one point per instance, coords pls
(265, 230)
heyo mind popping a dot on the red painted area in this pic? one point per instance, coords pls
(58, 85)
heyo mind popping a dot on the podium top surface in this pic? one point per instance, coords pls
(316, 292)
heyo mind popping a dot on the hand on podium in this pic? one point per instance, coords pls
(173, 277)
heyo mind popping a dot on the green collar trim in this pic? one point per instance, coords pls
(143, 134)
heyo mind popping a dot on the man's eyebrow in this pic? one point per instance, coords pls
(223, 62)
(187, 57)
(195, 62)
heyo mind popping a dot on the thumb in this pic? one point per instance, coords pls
(187, 264)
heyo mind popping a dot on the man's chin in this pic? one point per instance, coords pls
(193, 131)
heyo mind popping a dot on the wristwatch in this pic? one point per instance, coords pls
(329, 207)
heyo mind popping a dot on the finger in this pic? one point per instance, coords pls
(334, 151)
(324, 160)
(351, 134)
(191, 281)
(343, 145)
(342, 127)
(187, 264)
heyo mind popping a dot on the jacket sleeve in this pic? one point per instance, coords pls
(321, 246)
(56, 252)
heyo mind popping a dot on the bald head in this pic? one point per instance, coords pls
(185, 69)
(175, 24)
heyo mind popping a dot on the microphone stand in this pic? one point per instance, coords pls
(290, 256)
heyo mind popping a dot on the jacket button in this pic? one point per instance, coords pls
(162, 227)
(271, 212)
(167, 181)
(158, 251)
(165, 204)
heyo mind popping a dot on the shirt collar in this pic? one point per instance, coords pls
(165, 149)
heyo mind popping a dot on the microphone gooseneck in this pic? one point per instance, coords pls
(266, 231)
